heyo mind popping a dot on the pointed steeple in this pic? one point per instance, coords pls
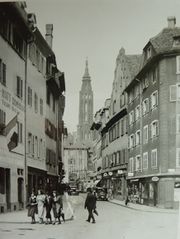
(86, 73)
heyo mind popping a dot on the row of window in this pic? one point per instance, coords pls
(117, 130)
(134, 115)
(36, 146)
(37, 102)
(123, 99)
(50, 130)
(9, 31)
(151, 77)
(138, 164)
(37, 58)
(115, 159)
(152, 129)
(50, 157)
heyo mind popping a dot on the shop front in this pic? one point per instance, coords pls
(143, 190)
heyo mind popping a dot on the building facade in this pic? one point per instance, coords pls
(114, 134)
(153, 109)
(25, 74)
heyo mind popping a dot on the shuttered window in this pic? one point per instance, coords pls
(178, 157)
(154, 158)
(145, 160)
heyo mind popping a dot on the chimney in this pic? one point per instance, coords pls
(49, 36)
(171, 22)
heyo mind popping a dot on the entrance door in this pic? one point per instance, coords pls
(8, 188)
(20, 192)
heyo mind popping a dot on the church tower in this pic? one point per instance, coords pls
(85, 108)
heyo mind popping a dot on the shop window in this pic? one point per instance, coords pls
(154, 158)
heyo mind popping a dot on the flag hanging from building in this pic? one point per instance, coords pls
(13, 141)
(10, 125)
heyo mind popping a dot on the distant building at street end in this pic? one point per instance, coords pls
(85, 109)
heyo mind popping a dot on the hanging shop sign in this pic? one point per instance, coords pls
(120, 172)
(130, 174)
(155, 179)
(110, 173)
(105, 174)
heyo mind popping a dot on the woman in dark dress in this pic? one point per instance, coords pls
(32, 208)
(48, 204)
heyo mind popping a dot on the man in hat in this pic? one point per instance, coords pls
(90, 204)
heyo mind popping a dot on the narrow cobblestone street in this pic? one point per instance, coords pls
(114, 221)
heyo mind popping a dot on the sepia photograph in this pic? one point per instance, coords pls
(90, 119)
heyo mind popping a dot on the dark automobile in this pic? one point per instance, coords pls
(73, 190)
(101, 193)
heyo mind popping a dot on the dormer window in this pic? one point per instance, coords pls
(149, 52)
(176, 42)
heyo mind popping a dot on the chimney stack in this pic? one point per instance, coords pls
(171, 22)
(49, 36)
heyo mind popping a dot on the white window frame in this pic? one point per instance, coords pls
(145, 160)
(171, 89)
(140, 163)
(147, 106)
(138, 136)
(177, 64)
(177, 157)
(153, 106)
(131, 117)
(131, 165)
(157, 126)
(145, 140)
(131, 141)
(152, 152)
(137, 112)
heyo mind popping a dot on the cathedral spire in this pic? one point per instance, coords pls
(86, 73)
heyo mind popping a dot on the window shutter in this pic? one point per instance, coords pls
(173, 93)
(4, 74)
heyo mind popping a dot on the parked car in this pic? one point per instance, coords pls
(101, 193)
(73, 190)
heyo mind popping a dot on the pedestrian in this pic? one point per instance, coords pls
(69, 206)
(40, 204)
(32, 207)
(57, 207)
(48, 205)
(90, 204)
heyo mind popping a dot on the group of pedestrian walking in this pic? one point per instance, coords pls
(50, 205)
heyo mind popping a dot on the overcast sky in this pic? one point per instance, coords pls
(97, 29)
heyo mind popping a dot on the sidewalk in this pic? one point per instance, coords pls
(144, 208)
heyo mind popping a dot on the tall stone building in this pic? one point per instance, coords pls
(85, 108)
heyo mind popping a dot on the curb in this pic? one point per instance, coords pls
(144, 210)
